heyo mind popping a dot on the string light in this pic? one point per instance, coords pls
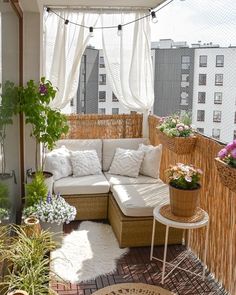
(151, 13)
(119, 31)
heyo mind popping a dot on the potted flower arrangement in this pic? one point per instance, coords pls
(177, 134)
(226, 165)
(52, 213)
(184, 185)
(48, 125)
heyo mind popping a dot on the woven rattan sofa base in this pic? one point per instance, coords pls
(137, 231)
(89, 206)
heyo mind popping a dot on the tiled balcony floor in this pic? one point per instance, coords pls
(136, 267)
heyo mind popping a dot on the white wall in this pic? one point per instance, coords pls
(228, 106)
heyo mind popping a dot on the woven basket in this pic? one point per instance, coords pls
(184, 202)
(227, 174)
(178, 145)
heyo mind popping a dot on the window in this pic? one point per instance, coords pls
(114, 98)
(115, 111)
(201, 97)
(202, 61)
(72, 102)
(200, 130)
(234, 134)
(102, 79)
(184, 98)
(216, 133)
(200, 115)
(219, 79)
(102, 111)
(102, 96)
(218, 98)
(185, 61)
(185, 77)
(219, 60)
(101, 62)
(217, 116)
(202, 79)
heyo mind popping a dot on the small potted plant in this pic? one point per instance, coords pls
(226, 165)
(176, 133)
(48, 125)
(52, 213)
(184, 185)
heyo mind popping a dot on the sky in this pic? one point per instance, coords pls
(194, 20)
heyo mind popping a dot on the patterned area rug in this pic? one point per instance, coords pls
(87, 253)
(133, 288)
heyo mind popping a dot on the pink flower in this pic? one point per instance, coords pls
(223, 153)
(180, 128)
(233, 153)
(230, 146)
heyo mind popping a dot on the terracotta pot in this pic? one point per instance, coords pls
(184, 202)
(32, 226)
(18, 292)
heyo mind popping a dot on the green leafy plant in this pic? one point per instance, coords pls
(48, 125)
(36, 191)
(29, 261)
(184, 176)
(8, 107)
(4, 201)
(176, 126)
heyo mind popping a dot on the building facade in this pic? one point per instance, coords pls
(214, 94)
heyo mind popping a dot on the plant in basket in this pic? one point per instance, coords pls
(226, 165)
(184, 184)
(176, 133)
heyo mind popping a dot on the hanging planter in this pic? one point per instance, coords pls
(178, 145)
(227, 174)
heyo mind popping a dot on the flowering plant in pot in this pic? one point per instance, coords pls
(226, 165)
(48, 125)
(176, 133)
(184, 184)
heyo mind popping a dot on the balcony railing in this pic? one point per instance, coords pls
(216, 199)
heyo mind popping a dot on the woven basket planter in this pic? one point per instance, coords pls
(184, 203)
(178, 145)
(227, 174)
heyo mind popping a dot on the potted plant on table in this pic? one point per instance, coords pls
(226, 165)
(176, 133)
(184, 186)
(48, 125)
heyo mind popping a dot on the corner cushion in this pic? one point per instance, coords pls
(90, 184)
(140, 199)
(120, 179)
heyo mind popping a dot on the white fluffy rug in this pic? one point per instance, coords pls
(86, 253)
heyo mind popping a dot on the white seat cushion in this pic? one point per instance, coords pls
(91, 184)
(120, 179)
(140, 199)
(82, 145)
(110, 145)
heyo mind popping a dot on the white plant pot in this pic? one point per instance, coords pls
(55, 229)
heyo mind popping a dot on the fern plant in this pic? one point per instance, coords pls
(36, 191)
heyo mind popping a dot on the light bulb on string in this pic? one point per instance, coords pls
(91, 34)
(154, 18)
(119, 31)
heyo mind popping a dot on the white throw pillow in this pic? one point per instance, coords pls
(126, 162)
(58, 163)
(151, 161)
(85, 163)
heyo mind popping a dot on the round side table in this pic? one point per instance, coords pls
(181, 225)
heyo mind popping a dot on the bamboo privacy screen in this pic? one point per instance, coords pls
(105, 126)
(217, 200)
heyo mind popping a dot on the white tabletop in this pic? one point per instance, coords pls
(176, 224)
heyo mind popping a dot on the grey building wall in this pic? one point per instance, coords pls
(168, 84)
(87, 94)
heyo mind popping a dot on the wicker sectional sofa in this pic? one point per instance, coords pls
(126, 202)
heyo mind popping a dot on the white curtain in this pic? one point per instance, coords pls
(128, 61)
(63, 49)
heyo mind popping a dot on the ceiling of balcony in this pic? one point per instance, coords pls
(35, 5)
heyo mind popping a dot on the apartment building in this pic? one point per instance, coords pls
(214, 94)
